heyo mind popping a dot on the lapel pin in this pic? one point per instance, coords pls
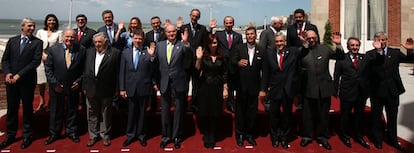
(287, 52)
(319, 57)
(257, 52)
(389, 56)
(259, 58)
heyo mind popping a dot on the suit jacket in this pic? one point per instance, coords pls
(228, 51)
(292, 34)
(120, 44)
(386, 76)
(87, 37)
(278, 81)
(55, 66)
(195, 40)
(104, 84)
(249, 76)
(149, 36)
(181, 60)
(267, 38)
(318, 81)
(24, 64)
(137, 80)
(351, 82)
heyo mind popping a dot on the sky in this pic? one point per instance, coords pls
(244, 11)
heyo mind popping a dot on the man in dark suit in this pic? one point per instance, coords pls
(64, 68)
(300, 26)
(248, 58)
(281, 78)
(318, 87)
(352, 85)
(135, 85)
(84, 34)
(386, 90)
(110, 28)
(173, 57)
(20, 59)
(100, 85)
(155, 35)
(229, 39)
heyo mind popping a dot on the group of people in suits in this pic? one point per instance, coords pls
(134, 65)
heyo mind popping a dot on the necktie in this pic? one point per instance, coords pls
(193, 29)
(169, 52)
(300, 29)
(136, 60)
(157, 35)
(80, 32)
(67, 57)
(280, 60)
(110, 35)
(23, 44)
(355, 61)
(229, 40)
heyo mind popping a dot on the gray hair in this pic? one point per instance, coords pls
(280, 34)
(275, 19)
(27, 20)
(380, 34)
(101, 34)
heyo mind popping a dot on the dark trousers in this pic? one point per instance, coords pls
(178, 98)
(232, 86)
(391, 104)
(316, 115)
(280, 120)
(208, 126)
(15, 93)
(246, 110)
(57, 111)
(136, 117)
(346, 111)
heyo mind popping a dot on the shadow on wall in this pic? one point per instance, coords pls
(406, 117)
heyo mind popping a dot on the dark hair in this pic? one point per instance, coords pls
(301, 11)
(107, 11)
(56, 27)
(81, 15)
(139, 23)
(155, 17)
(197, 11)
(138, 32)
(251, 28)
(353, 38)
(208, 42)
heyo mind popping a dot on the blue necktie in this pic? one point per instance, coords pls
(23, 44)
(136, 60)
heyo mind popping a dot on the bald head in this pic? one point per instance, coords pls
(171, 32)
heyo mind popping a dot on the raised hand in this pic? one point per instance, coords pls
(336, 38)
(121, 25)
(167, 22)
(213, 23)
(180, 22)
(184, 36)
(376, 44)
(409, 44)
(199, 52)
(151, 49)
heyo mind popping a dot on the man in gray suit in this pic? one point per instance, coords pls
(173, 58)
(64, 68)
(135, 85)
(267, 37)
(99, 86)
(318, 87)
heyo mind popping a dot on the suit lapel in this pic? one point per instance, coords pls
(175, 50)
(105, 60)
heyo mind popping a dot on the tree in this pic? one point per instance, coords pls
(327, 35)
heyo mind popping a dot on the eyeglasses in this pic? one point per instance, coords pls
(80, 20)
(354, 45)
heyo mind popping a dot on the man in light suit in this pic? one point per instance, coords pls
(318, 87)
(172, 57)
(135, 84)
(386, 90)
(281, 78)
(267, 37)
(110, 28)
(248, 58)
(64, 68)
(154, 36)
(100, 85)
(84, 34)
(20, 59)
(229, 39)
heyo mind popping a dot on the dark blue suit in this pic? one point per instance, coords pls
(58, 74)
(138, 86)
(117, 44)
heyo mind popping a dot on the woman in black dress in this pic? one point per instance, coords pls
(212, 88)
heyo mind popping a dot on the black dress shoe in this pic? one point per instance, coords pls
(378, 145)
(239, 141)
(346, 141)
(8, 141)
(26, 143)
(305, 142)
(397, 145)
(163, 144)
(51, 139)
(275, 144)
(325, 144)
(362, 142)
(143, 142)
(127, 142)
(74, 138)
(91, 142)
(206, 145)
(231, 108)
(251, 141)
(177, 143)
(285, 144)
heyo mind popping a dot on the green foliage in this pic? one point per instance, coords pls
(327, 36)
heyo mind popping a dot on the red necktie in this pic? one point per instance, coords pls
(300, 29)
(280, 60)
(355, 61)
(80, 34)
(229, 40)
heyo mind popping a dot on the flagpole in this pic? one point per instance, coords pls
(70, 15)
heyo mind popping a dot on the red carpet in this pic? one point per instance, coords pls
(192, 137)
